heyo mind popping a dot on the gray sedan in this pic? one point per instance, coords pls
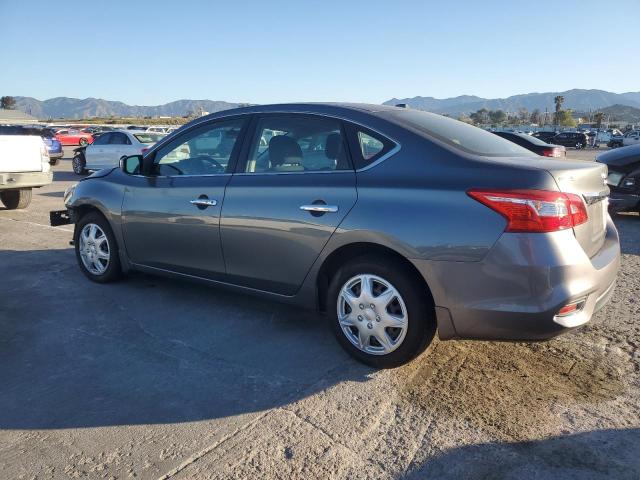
(393, 222)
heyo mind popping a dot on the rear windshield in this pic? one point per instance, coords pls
(148, 137)
(459, 134)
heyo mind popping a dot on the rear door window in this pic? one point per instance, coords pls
(287, 143)
(119, 138)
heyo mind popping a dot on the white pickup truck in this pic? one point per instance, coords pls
(24, 164)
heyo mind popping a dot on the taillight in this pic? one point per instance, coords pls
(534, 210)
(144, 150)
(552, 152)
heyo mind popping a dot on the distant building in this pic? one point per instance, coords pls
(14, 117)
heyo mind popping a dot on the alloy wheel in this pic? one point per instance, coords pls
(372, 314)
(94, 249)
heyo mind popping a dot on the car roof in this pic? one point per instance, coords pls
(312, 107)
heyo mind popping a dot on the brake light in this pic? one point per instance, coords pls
(144, 150)
(534, 210)
(552, 152)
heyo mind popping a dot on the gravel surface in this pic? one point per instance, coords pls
(155, 378)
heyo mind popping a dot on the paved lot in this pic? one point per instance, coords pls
(155, 378)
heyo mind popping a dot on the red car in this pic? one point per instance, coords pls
(74, 137)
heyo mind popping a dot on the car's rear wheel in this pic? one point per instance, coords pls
(96, 249)
(83, 142)
(380, 312)
(16, 199)
(78, 164)
(578, 145)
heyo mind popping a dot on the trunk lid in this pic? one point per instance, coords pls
(588, 180)
(584, 178)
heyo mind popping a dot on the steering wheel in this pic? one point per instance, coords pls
(207, 163)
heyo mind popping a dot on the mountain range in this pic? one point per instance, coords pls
(65, 107)
(578, 100)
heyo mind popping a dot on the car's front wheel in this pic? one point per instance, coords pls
(380, 312)
(96, 248)
(78, 164)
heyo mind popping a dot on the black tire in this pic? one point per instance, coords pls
(83, 142)
(78, 164)
(421, 325)
(113, 270)
(16, 199)
(53, 162)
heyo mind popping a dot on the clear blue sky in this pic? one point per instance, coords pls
(151, 52)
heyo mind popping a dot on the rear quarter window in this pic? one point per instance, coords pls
(367, 146)
(458, 135)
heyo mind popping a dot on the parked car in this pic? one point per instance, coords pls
(623, 178)
(534, 144)
(605, 136)
(158, 130)
(631, 138)
(73, 137)
(394, 222)
(545, 136)
(571, 139)
(107, 149)
(24, 164)
(54, 148)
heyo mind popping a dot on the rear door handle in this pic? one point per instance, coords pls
(319, 208)
(203, 202)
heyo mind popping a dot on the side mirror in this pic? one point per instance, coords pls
(131, 165)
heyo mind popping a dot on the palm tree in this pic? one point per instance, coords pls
(559, 100)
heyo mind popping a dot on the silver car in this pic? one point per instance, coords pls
(393, 222)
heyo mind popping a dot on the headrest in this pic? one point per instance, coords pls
(333, 146)
(283, 148)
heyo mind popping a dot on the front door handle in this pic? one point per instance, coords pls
(203, 202)
(319, 208)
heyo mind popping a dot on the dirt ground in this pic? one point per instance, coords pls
(156, 378)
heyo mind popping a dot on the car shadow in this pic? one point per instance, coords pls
(600, 454)
(52, 194)
(148, 350)
(63, 176)
(628, 225)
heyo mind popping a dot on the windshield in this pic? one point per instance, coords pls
(148, 137)
(459, 134)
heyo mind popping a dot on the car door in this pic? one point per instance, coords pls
(292, 188)
(115, 149)
(171, 216)
(562, 139)
(94, 153)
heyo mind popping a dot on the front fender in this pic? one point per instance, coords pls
(96, 194)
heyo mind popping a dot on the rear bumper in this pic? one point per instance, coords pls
(519, 287)
(56, 155)
(25, 180)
